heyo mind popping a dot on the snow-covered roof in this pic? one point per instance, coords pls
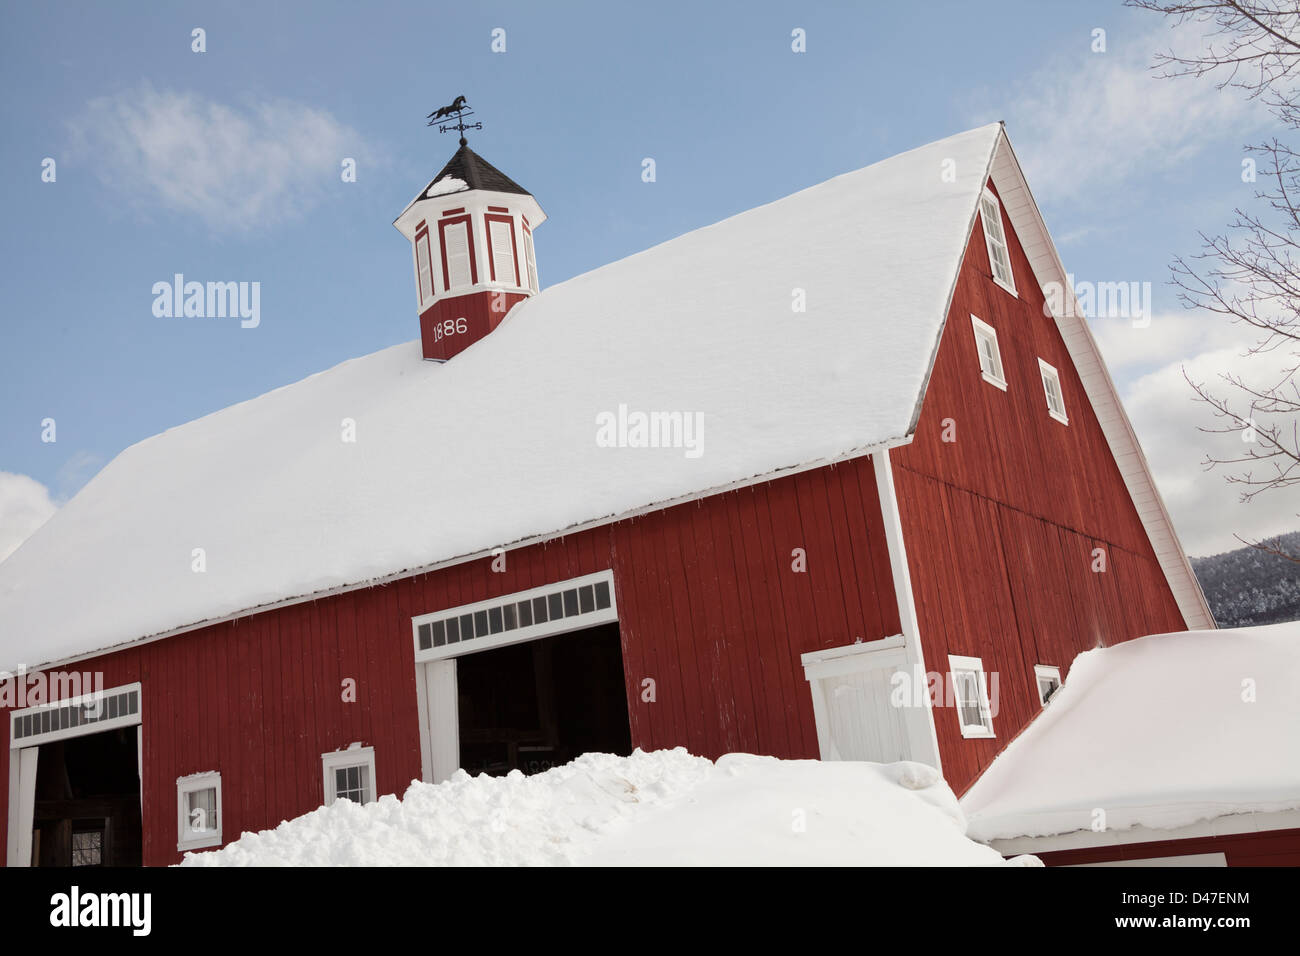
(499, 444)
(666, 808)
(1160, 732)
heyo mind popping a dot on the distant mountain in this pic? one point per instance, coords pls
(1248, 586)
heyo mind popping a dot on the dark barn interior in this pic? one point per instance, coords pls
(539, 704)
(87, 809)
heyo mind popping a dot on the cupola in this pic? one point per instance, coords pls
(471, 235)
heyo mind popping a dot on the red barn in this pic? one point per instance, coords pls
(713, 495)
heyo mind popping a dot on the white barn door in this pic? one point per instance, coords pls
(851, 690)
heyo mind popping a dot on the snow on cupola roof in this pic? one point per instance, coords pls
(476, 173)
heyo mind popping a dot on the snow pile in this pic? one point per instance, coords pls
(701, 326)
(448, 184)
(661, 808)
(1159, 732)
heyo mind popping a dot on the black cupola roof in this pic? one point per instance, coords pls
(477, 173)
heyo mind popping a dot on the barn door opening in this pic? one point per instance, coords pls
(534, 706)
(86, 810)
(74, 780)
(526, 682)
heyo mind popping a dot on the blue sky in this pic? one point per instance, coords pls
(224, 165)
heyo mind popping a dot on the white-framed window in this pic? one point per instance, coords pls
(1052, 390)
(971, 696)
(459, 256)
(198, 811)
(349, 774)
(995, 240)
(986, 344)
(1048, 679)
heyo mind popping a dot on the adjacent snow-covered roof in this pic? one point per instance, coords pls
(1160, 732)
(499, 444)
(662, 808)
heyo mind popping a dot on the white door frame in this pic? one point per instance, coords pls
(92, 717)
(437, 701)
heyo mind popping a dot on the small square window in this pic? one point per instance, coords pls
(995, 241)
(198, 821)
(1052, 391)
(88, 848)
(349, 774)
(990, 356)
(970, 696)
(1048, 679)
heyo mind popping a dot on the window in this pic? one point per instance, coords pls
(1048, 679)
(970, 696)
(986, 343)
(995, 241)
(88, 846)
(531, 256)
(349, 774)
(424, 265)
(198, 811)
(1052, 389)
(458, 266)
(501, 240)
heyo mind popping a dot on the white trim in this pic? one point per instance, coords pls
(923, 738)
(517, 634)
(1048, 373)
(972, 665)
(188, 838)
(354, 756)
(1027, 221)
(991, 242)
(1229, 825)
(22, 805)
(1046, 672)
(440, 734)
(986, 333)
(82, 729)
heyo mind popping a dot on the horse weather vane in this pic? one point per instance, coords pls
(459, 109)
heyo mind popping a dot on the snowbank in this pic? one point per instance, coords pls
(1160, 732)
(660, 808)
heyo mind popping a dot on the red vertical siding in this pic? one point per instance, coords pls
(1000, 524)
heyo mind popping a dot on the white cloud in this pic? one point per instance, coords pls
(1091, 119)
(235, 168)
(1170, 337)
(1205, 508)
(25, 505)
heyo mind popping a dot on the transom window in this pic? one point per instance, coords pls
(970, 696)
(986, 344)
(349, 774)
(1052, 390)
(995, 241)
(1048, 679)
(198, 800)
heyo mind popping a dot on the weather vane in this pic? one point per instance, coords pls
(460, 110)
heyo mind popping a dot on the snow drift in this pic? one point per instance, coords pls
(1161, 732)
(662, 808)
